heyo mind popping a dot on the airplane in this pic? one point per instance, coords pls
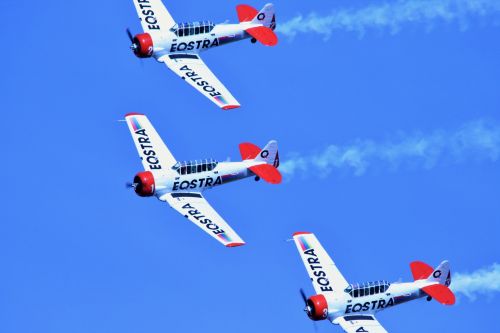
(180, 184)
(178, 45)
(353, 306)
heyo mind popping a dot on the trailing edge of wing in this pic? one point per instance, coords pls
(195, 72)
(193, 206)
(360, 323)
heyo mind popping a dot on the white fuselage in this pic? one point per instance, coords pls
(170, 43)
(224, 172)
(397, 293)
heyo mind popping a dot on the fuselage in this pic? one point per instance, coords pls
(345, 304)
(198, 40)
(197, 177)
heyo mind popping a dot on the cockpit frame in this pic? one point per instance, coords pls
(367, 288)
(193, 28)
(189, 167)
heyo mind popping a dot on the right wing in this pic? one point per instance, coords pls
(360, 323)
(193, 70)
(194, 206)
(154, 154)
(325, 276)
(154, 17)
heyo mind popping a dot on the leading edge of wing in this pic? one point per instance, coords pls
(196, 208)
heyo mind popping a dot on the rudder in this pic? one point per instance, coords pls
(269, 154)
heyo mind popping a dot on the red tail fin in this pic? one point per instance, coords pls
(246, 13)
(264, 35)
(248, 151)
(440, 293)
(267, 172)
(420, 270)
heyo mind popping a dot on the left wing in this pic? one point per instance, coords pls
(193, 70)
(154, 17)
(194, 206)
(360, 323)
(153, 152)
(325, 276)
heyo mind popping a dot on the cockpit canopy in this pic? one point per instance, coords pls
(193, 28)
(367, 288)
(189, 167)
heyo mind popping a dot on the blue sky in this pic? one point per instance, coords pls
(410, 92)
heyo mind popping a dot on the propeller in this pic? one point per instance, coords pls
(131, 185)
(304, 298)
(134, 46)
(307, 307)
(130, 36)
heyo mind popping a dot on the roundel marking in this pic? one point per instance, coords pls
(436, 274)
(261, 16)
(264, 154)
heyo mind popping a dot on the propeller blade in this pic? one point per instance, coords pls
(130, 36)
(307, 309)
(130, 185)
(303, 294)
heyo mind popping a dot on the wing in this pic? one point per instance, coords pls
(154, 154)
(360, 323)
(154, 17)
(193, 70)
(325, 276)
(194, 206)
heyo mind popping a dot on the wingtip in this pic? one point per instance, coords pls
(301, 233)
(230, 107)
(133, 114)
(234, 244)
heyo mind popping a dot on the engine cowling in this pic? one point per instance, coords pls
(144, 183)
(143, 45)
(317, 307)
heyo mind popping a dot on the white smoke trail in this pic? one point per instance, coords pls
(391, 15)
(477, 141)
(481, 282)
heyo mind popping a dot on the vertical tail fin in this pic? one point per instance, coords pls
(266, 16)
(441, 274)
(269, 154)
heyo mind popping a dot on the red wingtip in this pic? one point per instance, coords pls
(229, 107)
(133, 114)
(234, 244)
(301, 233)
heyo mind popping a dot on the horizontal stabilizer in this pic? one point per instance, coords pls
(420, 270)
(267, 172)
(248, 151)
(264, 35)
(440, 293)
(246, 13)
